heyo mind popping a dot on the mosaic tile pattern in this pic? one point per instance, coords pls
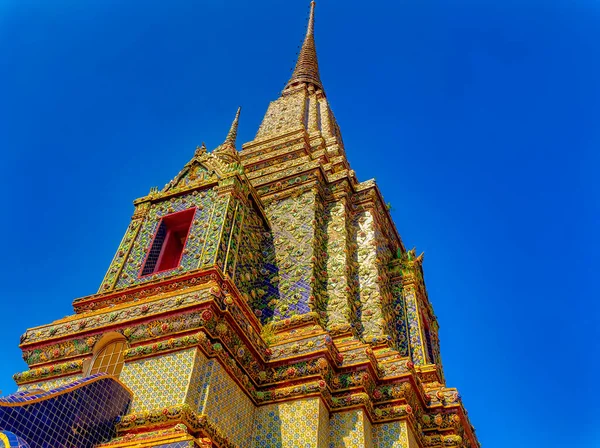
(295, 424)
(10, 440)
(201, 244)
(323, 436)
(256, 273)
(338, 266)
(81, 414)
(400, 331)
(390, 435)
(414, 328)
(160, 381)
(293, 223)
(199, 380)
(372, 319)
(215, 394)
(50, 384)
(283, 115)
(412, 441)
(350, 429)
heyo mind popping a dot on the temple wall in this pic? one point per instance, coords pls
(391, 435)
(350, 429)
(302, 423)
(222, 401)
(284, 114)
(160, 381)
(412, 441)
(202, 241)
(294, 225)
(50, 384)
(256, 274)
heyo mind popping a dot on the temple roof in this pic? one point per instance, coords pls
(307, 66)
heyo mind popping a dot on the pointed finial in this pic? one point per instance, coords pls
(232, 134)
(200, 150)
(311, 20)
(226, 151)
(307, 66)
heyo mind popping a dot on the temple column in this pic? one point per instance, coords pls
(340, 303)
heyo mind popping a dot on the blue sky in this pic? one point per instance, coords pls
(479, 120)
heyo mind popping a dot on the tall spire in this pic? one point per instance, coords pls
(226, 151)
(307, 66)
(232, 134)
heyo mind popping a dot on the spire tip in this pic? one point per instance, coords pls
(307, 66)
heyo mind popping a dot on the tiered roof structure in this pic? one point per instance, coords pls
(262, 298)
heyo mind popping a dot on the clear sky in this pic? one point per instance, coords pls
(479, 120)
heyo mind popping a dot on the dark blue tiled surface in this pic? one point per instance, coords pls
(14, 441)
(82, 415)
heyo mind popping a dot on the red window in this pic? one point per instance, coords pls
(167, 247)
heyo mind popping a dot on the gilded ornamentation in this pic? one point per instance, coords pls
(290, 313)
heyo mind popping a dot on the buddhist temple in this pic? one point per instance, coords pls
(262, 298)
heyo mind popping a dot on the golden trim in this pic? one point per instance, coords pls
(239, 240)
(229, 237)
(151, 441)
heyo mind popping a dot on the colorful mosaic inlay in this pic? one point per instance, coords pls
(301, 423)
(50, 384)
(226, 406)
(202, 240)
(390, 435)
(160, 381)
(293, 222)
(350, 429)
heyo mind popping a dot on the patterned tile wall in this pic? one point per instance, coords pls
(228, 408)
(256, 273)
(212, 392)
(199, 380)
(202, 241)
(293, 224)
(323, 437)
(284, 114)
(338, 266)
(412, 441)
(160, 381)
(50, 384)
(350, 429)
(295, 424)
(372, 318)
(390, 435)
(400, 319)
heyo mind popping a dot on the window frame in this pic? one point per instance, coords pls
(100, 348)
(170, 216)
